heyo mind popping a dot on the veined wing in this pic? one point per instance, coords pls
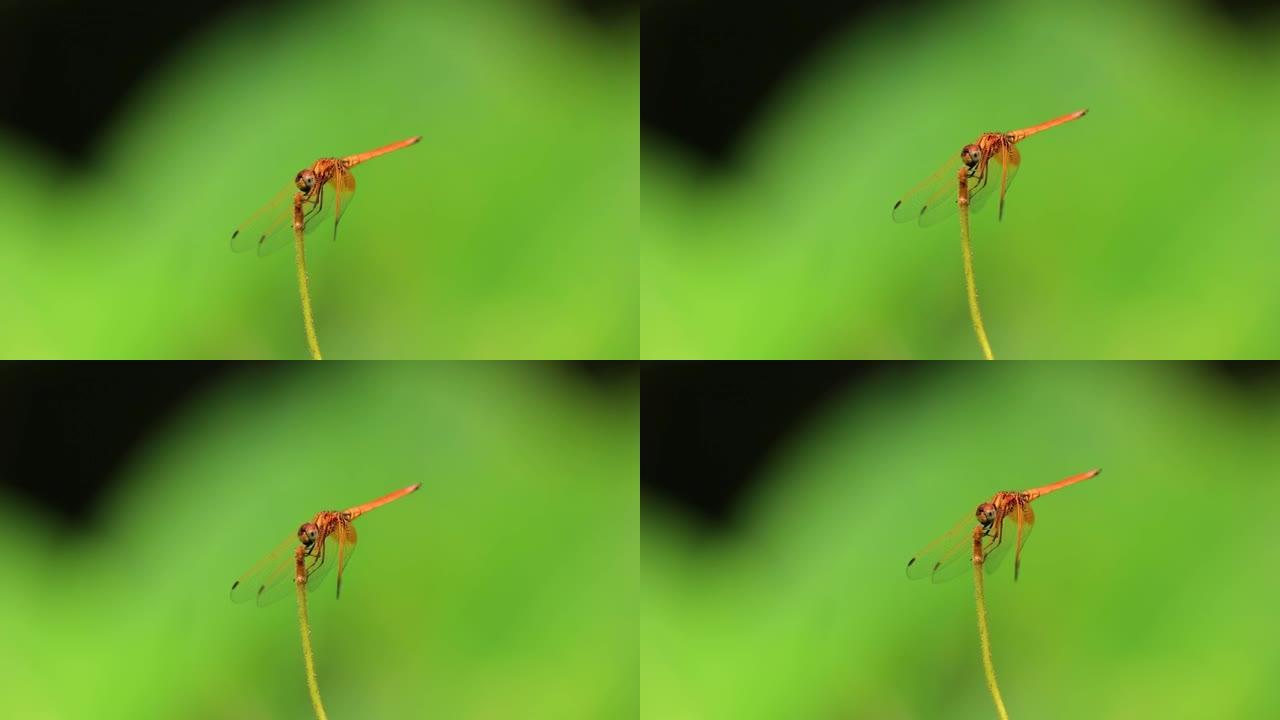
(948, 556)
(936, 198)
(265, 583)
(273, 577)
(1018, 523)
(930, 199)
(266, 223)
(271, 228)
(344, 190)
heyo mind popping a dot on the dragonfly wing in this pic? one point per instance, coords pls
(1016, 530)
(948, 556)
(271, 228)
(1025, 518)
(941, 205)
(937, 211)
(265, 227)
(1009, 159)
(319, 210)
(346, 546)
(265, 580)
(935, 193)
(316, 210)
(937, 198)
(344, 190)
(320, 562)
(980, 187)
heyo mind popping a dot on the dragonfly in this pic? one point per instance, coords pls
(1005, 514)
(935, 198)
(323, 188)
(327, 536)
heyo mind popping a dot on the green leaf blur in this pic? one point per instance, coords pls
(502, 588)
(508, 232)
(1147, 229)
(1148, 591)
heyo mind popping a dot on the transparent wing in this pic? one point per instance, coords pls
(263, 582)
(936, 199)
(942, 205)
(344, 190)
(948, 556)
(1009, 159)
(271, 228)
(999, 174)
(272, 578)
(1025, 520)
(1017, 528)
(346, 547)
(321, 562)
(930, 195)
(266, 224)
(320, 212)
(978, 193)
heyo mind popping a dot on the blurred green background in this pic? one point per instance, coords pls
(1148, 591)
(504, 588)
(1145, 230)
(509, 232)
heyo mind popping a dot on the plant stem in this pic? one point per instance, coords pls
(300, 583)
(971, 285)
(987, 665)
(303, 288)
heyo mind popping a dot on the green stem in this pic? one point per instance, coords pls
(971, 285)
(984, 636)
(300, 582)
(303, 288)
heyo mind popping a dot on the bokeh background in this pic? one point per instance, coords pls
(773, 576)
(132, 496)
(777, 138)
(137, 138)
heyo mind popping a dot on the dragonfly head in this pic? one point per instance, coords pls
(306, 181)
(986, 514)
(971, 155)
(307, 534)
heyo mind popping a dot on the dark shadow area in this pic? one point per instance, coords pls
(710, 428)
(72, 65)
(711, 68)
(67, 428)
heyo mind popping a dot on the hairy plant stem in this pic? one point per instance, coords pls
(303, 288)
(300, 583)
(983, 635)
(971, 285)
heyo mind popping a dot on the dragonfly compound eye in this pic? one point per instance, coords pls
(305, 180)
(986, 513)
(307, 534)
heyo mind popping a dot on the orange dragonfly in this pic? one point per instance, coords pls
(935, 198)
(941, 559)
(325, 187)
(329, 529)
